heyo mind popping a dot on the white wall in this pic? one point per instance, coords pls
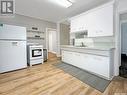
(52, 41)
(58, 39)
(29, 23)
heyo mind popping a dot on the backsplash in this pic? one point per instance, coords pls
(85, 41)
(96, 42)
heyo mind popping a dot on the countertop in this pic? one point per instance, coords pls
(103, 48)
(101, 51)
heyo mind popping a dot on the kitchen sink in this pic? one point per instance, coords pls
(81, 46)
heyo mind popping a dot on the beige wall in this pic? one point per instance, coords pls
(64, 34)
(29, 22)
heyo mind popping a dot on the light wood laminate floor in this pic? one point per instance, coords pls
(46, 79)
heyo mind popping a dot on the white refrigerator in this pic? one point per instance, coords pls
(12, 48)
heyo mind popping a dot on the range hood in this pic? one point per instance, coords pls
(81, 34)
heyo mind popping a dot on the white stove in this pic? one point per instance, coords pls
(34, 54)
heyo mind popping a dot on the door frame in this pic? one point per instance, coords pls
(118, 42)
(47, 37)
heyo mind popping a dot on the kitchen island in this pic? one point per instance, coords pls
(96, 60)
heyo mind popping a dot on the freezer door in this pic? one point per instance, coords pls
(12, 32)
(12, 55)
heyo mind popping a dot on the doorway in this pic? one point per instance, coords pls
(124, 38)
(123, 28)
(51, 41)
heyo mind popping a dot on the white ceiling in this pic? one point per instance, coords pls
(43, 9)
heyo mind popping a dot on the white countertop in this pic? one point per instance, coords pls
(94, 47)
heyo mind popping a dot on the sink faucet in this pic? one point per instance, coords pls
(83, 45)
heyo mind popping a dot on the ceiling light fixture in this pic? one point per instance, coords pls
(64, 3)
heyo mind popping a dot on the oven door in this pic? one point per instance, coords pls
(36, 52)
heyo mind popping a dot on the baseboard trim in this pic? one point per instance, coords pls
(52, 52)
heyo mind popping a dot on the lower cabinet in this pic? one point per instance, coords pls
(96, 64)
(67, 57)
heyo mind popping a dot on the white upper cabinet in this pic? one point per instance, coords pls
(75, 24)
(98, 21)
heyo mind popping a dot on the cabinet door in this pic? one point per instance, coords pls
(100, 22)
(84, 62)
(93, 63)
(64, 58)
(100, 65)
(72, 58)
(75, 24)
(83, 23)
(77, 59)
(67, 57)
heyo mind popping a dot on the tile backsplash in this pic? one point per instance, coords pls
(85, 41)
(96, 42)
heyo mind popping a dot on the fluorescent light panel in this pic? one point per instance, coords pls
(64, 3)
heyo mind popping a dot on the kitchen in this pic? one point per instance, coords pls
(102, 28)
(83, 48)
